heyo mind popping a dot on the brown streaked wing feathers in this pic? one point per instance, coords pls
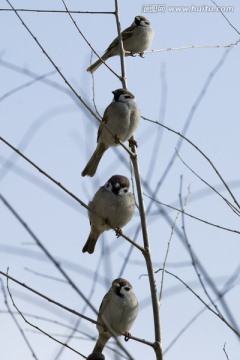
(104, 120)
(125, 35)
(104, 300)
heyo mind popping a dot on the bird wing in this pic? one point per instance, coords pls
(104, 121)
(104, 303)
(125, 35)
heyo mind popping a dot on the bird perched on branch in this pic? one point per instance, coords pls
(136, 39)
(113, 204)
(118, 311)
(120, 120)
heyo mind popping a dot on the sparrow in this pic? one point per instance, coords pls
(136, 39)
(112, 205)
(121, 117)
(117, 312)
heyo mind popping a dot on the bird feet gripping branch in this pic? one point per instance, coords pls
(118, 232)
(127, 336)
(132, 142)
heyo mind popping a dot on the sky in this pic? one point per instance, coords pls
(189, 81)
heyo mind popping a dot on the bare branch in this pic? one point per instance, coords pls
(207, 277)
(188, 47)
(66, 308)
(121, 48)
(199, 298)
(64, 189)
(34, 326)
(60, 11)
(52, 62)
(194, 318)
(64, 78)
(192, 111)
(204, 155)
(225, 352)
(192, 216)
(219, 7)
(146, 252)
(168, 249)
(232, 207)
(84, 37)
(16, 322)
(182, 206)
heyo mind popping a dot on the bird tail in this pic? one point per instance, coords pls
(96, 65)
(92, 164)
(91, 241)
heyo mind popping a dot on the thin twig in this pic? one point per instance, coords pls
(93, 91)
(58, 266)
(60, 11)
(232, 207)
(85, 39)
(199, 298)
(192, 111)
(182, 206)
(90, 294)
(34, 326)
(187, 47)
(192, 216)
(168, 249)
(225, 352)
(66, 81)
(65, 189)
(207, 277)
(52, 62)
(66, 308)
(219, 7)
(16, 322)
(48, 254)
(202, 153)
(193, 319)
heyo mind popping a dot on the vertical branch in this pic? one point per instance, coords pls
(121, 48)
(146, 252)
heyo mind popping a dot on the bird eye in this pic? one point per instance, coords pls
(125, 190)
(127, 97)
(127, 288)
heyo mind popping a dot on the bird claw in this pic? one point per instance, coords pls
(127, 336)
(132, 54)
(132, 142)
(141, 54)
(118, 232)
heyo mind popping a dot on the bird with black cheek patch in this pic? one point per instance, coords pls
(118, 311)
(121, 118)
(113, 204)
(136, 39)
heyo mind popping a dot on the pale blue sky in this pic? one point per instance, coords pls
(53, 130)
